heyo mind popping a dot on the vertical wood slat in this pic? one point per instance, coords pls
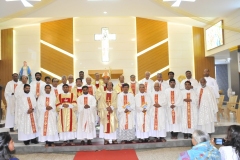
(6, 62)
(201, 62)
(150, 32)
(60, 34)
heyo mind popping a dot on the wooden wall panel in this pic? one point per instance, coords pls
(164, 75)
(153, 60)
(201, 62)
(56, 62)
(6, 62)
(60, 34)
(150, 32)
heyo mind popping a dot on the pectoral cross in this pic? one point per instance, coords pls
(105, 37)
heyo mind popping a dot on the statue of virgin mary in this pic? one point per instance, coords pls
(26, 71)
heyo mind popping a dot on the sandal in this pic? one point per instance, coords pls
(123, 142)
(114, 142)
(106, 142)
(162, 139)
(64, 144)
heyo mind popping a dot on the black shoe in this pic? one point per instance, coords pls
(82, 143)
(89, 142)
(26, 142)
(12, 130)
(34, 141)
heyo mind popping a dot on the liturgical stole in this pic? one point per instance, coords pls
(108, 101)
(156, 113)
(45, 124)
(173, 102)
(31, 116)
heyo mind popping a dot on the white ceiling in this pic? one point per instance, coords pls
(208, 9)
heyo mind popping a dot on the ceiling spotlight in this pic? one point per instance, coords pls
(105, 12)
(24, 2)
(178, 2)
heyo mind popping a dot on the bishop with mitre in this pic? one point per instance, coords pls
(107, 107)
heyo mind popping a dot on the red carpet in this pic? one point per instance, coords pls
(129, 154)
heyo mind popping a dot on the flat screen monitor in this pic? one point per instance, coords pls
(214, 36)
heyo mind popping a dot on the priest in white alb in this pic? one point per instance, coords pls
(133, 85)
(162, 84)
(107, 107)
(47, 118)
(54, 89)
(207, 107)
(37, 85)
(67, 121)
(171, 76)
(211, 82)
(86, 117)
(126, 116)
(91, 88)
(189, 110)
(194, 82)
(26, 117)
(60, 86)
(19, 91)
(70, 83)
(158, 114)
(9, 95)
(174, 109)
(143, 105)
(148, 83)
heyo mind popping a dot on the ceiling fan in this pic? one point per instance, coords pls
(24, 2)
(177, 2)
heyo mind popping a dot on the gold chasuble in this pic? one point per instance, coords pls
(66, 117)
(108, 120)
(76, 92)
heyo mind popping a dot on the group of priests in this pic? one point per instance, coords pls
(71, 110)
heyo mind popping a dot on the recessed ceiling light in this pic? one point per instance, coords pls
(105, 12)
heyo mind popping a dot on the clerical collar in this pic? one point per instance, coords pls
(65, 93)
(156, 91)
(125, 93)
(132, 81)
(142, 93)
(79, 87)
(109, 91)
(47, 95)
(85, 95)
(97, 82)
(54, 87)
(27, 94)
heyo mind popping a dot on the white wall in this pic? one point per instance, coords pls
(27, 48)
(181, 54)
(231, 38)
(87, 51)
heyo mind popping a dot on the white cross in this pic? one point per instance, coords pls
(177, 2)
(25, 2)
(105, 37)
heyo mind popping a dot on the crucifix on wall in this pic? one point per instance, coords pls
(105, 37)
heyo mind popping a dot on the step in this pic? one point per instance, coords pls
(20, 148)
